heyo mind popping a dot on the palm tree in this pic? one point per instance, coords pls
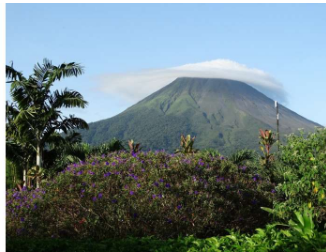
(241, 156)
(62, 151)
(38, 110)
(12, 74)
(19, 146)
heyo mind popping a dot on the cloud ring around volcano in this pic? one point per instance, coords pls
(132, 87)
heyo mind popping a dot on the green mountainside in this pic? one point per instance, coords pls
(222, 114)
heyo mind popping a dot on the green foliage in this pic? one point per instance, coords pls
(12, 74)
(36, 173)
(299, 236)
(186, 145)
(266, 141)
(302, 165)
(143, 194)
(35, 118)
(104, 148)
(211, 152)
(241, 156)
(64, 151)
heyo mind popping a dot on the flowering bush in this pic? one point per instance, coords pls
(302, 166)
(143, 194)
(298, 235)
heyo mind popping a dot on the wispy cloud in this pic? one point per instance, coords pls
(133, 86)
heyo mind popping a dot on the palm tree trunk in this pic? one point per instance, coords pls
(24, 178)
(38, 160)
(38, 155)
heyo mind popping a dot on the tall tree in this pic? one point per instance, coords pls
(20, 146)
(38, 109)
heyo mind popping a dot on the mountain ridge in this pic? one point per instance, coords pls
(222, 113)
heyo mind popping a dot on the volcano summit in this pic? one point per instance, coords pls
(222, 114)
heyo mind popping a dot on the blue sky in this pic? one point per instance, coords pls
(117, 42)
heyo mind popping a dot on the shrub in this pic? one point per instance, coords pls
(299, 235)
(142, 194)
(302, 165)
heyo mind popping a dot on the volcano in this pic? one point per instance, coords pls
(223, 114)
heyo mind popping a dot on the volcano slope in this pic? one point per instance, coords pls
(223, 114)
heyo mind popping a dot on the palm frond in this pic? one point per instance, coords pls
(67, 99)
(65, 70)
(42, 72)
(13, 74)
(14, 151)
(241, 156)
(72, 122)
(22, 96)
(73, 137)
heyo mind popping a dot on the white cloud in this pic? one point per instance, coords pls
(133, 86)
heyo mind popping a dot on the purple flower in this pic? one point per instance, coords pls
(100, 195)
(107, 174)
(107, 163)
(114, 201)
(167, 185)
(161, 180)
(187, 161)
(79, 173)
(273, 191)
(93, 163)
(94, 198)
(219, 179)
(155, 184)
(131, 192)
(90, 172)
(22, 219)
(179, 207)
(113, 164)
(138, 185)
(255, 177)
(154, 196)
(243, 168)
(143, 170)
(200, 162)
(196, 192)
(222, 158)
(160, 196)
